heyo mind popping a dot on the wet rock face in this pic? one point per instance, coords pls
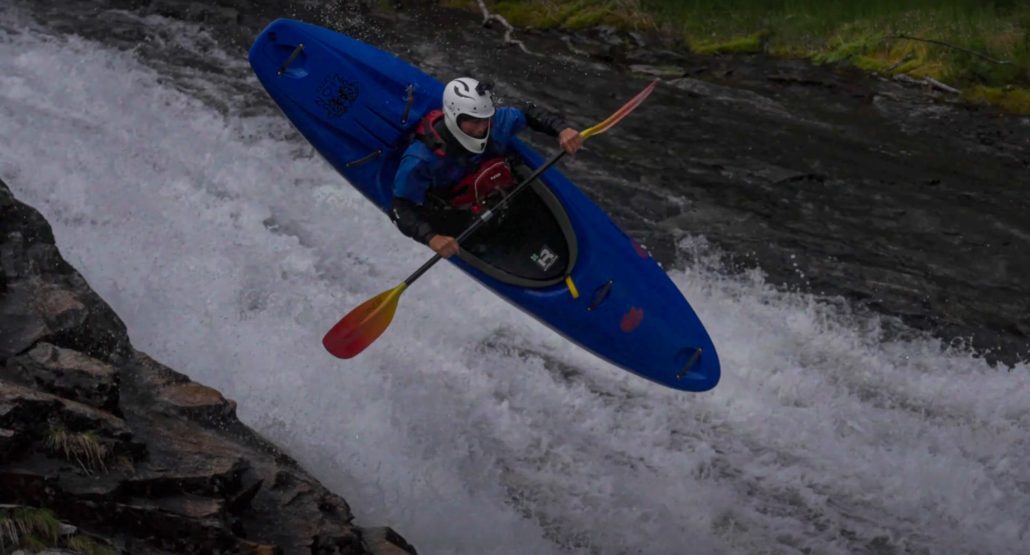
(114, 443)
(43, 297)
(66, 373)
(888, 192)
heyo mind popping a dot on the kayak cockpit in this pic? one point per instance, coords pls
(529, 243)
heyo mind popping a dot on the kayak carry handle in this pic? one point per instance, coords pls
(690, 363)
(600, 295)
(293, 56)
(410, 91)
(364, 159)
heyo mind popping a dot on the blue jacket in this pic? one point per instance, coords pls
(420, 170)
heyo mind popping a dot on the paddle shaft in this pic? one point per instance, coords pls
(487, 216)
(362, 325)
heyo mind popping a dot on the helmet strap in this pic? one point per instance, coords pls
(451, 143)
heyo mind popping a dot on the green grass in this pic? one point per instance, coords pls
(863, 33)
(82, 447)
(28, 527)
(1013, 99)
(35, 530)
(750, 44)
(579, 14)
(89, 546)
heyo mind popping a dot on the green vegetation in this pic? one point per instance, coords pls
(979, 46)
(82, 447)
(579, 14)
(751, 44)
(27, 527)
(36, 530)
(89, 546)
(1013, 99)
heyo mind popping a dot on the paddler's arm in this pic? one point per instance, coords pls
(410, 184)
(554, 125)
(409, 191)
(410, 220)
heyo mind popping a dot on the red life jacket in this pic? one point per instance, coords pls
(492, 176)
(426, 132)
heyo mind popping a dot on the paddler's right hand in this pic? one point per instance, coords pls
(570, 140)
(444, 245)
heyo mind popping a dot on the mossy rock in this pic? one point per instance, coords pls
(1012, 99)
(751, 44)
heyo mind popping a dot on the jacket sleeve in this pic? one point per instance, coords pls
(413, 178)
(543, 121)
(411, 220)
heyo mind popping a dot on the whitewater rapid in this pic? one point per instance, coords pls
(228, 247)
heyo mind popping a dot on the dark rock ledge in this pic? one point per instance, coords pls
(124, 452)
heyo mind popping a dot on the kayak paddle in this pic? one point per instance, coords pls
(363, 325)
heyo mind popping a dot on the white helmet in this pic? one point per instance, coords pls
(465, 96)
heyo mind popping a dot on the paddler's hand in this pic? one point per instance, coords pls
(444, 245)
(570, 140)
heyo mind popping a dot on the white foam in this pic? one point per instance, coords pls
(229, 249)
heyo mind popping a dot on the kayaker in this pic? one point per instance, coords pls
(458, 157)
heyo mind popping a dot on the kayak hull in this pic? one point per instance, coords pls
(358, 105)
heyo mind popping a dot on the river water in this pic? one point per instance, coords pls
(228, 247)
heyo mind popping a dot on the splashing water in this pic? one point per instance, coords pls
(229, 248)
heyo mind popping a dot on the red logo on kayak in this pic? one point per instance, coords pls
(632, 319)
(640, 250)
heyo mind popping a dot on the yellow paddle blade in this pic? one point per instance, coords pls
(363, 325)
(621, 112)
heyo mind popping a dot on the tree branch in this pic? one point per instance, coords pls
(942, 43)
(907, 58)
(929, 81)
(487, 16)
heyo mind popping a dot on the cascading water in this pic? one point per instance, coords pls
(228, 248)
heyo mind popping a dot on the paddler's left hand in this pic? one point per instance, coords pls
(570, 140)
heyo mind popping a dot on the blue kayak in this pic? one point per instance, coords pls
(554, 253)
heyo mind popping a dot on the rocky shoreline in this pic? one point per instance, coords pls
(893, 194)
(128, 455)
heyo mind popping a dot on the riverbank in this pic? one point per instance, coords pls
(979, 48)
(829, 180)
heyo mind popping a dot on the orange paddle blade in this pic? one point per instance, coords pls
(363, 325)
(621, 112)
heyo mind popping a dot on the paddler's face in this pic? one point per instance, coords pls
(475, 127)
